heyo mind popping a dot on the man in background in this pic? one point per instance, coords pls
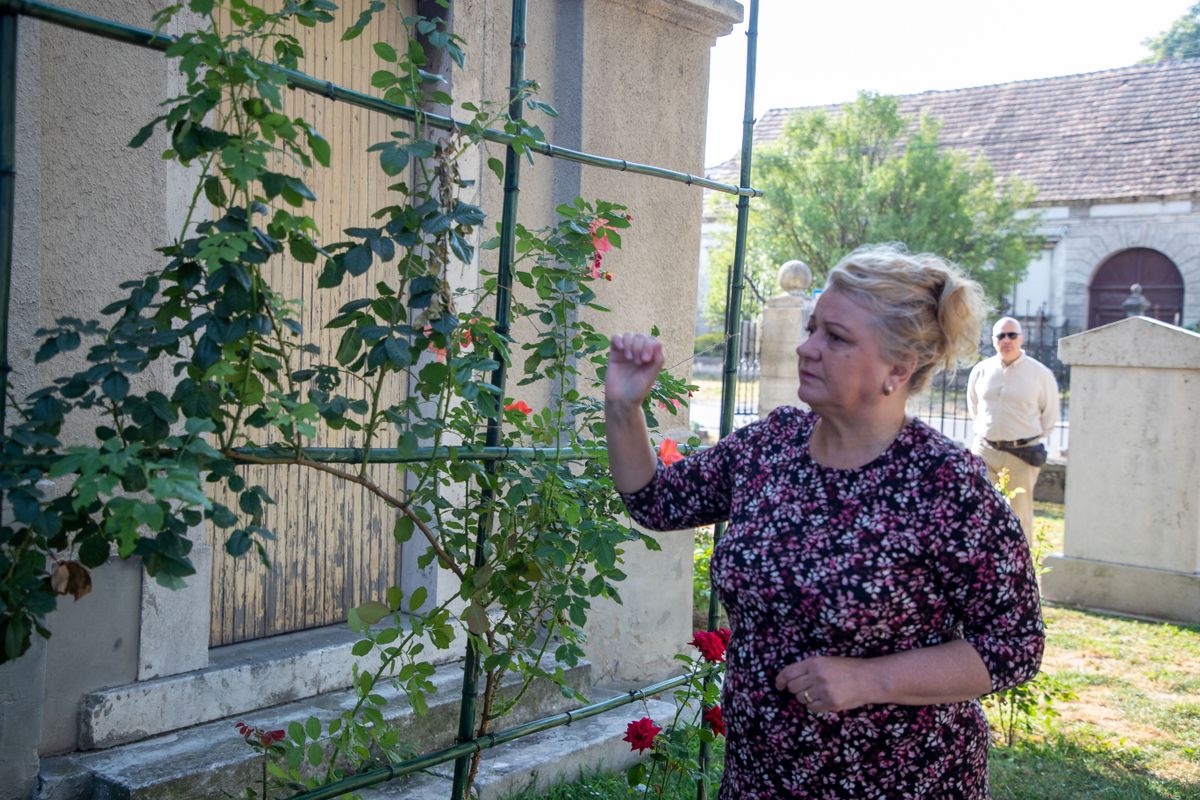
(1013, 401)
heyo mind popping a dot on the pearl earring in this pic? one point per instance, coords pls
(888, 389)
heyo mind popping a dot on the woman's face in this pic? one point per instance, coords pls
(841, 368)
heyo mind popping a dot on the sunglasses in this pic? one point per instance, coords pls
(1007, 335)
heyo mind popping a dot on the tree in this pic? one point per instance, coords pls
(868, 174)
(1181, 40)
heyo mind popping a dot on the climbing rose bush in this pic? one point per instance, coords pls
(253, 387)
(697, 719)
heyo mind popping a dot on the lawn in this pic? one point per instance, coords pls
(1131, 732)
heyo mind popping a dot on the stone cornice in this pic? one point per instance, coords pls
(712, 17)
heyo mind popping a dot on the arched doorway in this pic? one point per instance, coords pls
(1162, 286)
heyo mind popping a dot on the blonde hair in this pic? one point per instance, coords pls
(926, 310)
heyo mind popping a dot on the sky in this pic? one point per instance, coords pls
(814, 53)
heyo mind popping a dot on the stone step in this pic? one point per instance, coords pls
(240, 678)
(540, 761)
(210, 760)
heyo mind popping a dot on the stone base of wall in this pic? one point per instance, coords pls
(1142, 591)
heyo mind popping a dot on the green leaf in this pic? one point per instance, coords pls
(496, 166)
(385, 51)
(145, 132)
(398, 353)
(372, 611)
(362, 647)
(319, 147)
(417, 598)
(476, 618)
(312, 726)
(296, 732)
(393, 159)
(302, 248)
(239, 543)
(403, 530)
(421, 148)
(349, 347)
(198, 425)
(94, 551)
(214, 190)
(357, 259)
(115, 386)
(331, 277)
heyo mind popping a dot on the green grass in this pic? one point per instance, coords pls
(1078, 768)
(1131, 733)
(615, 787)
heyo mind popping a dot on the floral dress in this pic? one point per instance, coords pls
(913, 549)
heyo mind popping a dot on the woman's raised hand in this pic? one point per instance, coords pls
(634, 361)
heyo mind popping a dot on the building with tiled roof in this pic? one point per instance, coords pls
(1115, 157)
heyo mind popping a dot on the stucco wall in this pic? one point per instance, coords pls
(95, 212)
(645, 100)
(88, 213)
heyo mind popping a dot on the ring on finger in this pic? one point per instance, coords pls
(807, 697)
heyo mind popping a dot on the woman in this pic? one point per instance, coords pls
(877, 585)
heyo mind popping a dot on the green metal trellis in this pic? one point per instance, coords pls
(460, 753)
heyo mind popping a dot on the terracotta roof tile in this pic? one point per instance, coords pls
(1118, 134)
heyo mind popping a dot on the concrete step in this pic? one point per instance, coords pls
(212, 759)
(240, 678)
(540, 761)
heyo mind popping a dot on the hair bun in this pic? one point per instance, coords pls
(927, 312)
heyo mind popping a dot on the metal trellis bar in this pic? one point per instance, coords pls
(733, 311)
(384, 774)
(298, 80)
(508, 222)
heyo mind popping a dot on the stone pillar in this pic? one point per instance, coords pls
(783, 324)
(1132, 539)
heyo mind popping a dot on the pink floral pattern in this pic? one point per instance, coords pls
(914, 549)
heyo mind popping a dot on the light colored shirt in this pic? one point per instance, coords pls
(1019, 401)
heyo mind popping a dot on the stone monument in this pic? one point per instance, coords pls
(1132, 536)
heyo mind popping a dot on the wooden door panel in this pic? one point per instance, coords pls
(333, 544)
(1162, 286)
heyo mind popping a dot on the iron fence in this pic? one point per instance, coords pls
(944, 404)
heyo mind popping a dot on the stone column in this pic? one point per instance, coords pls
(783, 324)
(1132, 539)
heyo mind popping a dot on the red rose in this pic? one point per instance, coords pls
(640, 734)
(724, 633)
(711, 646)
(521, 406)
(715, 721)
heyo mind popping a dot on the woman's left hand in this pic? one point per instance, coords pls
(829, 683)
